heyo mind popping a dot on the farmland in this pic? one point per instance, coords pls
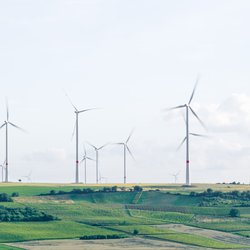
(167, 215)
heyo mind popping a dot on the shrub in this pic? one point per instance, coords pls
(114, 189)
(5, 198)
(136, 231)
(101, 237)
(234, 212)
(15, 194)
(106, 190)
(137, 189)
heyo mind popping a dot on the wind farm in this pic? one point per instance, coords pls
(137, 120)
(163, 215)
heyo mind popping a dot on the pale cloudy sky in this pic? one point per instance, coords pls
(132, 59)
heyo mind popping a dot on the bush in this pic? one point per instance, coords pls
(137, 189)
(114, 189)
(5, 198)
(101, 237)
(135, 232)
(234, 212)
(15, 194)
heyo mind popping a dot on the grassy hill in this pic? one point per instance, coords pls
(121, 212)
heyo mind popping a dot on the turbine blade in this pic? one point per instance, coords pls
(7, 109)
(12, 124)
(198, 135)
(131, 133)
(177, 107)
(85, 110)
(73, 133)
(184, 118)
(70, 101)
(195, 86)
(198, 118)
(130, 152)
(103, 146)
(2, 125)
(92, 145)
(178, 148)
(90, 158)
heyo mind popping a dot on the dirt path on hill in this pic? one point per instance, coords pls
(222, 236)
(119, 244)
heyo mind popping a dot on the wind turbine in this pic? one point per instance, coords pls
(102, 178)
(176, 176)
(3, 168)
(6, 124)
(125, 149)
(84, 159)
(188, 108)
(97, 158)
(77, 112)
(28, 177)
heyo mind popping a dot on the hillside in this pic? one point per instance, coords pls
(160, 212)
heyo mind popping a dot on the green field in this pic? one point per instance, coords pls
(121, 212)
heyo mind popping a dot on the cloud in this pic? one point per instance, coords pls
(50, 155)
(232, 115)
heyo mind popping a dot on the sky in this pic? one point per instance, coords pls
(131, 60)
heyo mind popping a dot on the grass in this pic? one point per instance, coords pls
(244, 233)
(22, 231)
(5, 247)
(226, 226)
(161, 199)
(167, 217)
(36, 189)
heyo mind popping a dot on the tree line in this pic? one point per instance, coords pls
(23, 214)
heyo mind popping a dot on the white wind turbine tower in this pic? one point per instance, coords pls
(84, 159)
(125, 149)
(3, 169)
(186, 139)
(97, 159)
(6, 124)
(77, 112)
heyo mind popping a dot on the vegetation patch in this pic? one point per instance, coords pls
(6, 247)
(89, 190)
(102, 237)
(5, 198)
(23, 231)
(164, 216)
(219, 198)
(23, 214)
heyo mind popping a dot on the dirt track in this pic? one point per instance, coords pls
(121, 244)
(222, 236)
